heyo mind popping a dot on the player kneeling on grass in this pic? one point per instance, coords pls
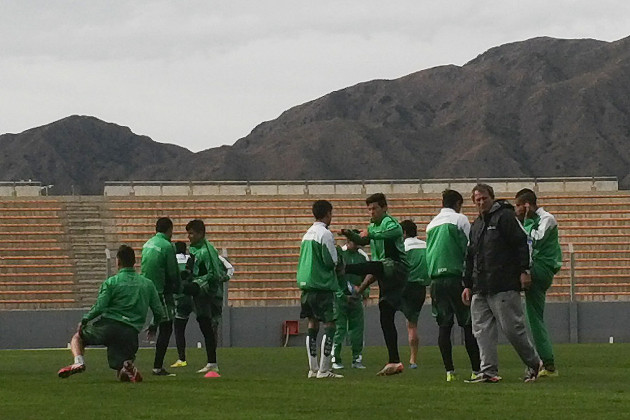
(317, 280)
(122, 303)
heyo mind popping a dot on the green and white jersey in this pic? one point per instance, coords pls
(417, 257)
(126, 297)
(447, 241)
(318, 258)
(542, 229)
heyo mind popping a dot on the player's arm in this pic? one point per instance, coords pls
(329, 251)
(173, 279)
(102, 302)
(355, 237)
(156, 306)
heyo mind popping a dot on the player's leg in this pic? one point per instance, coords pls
(311, 336)
(535, 309)
(388, 326)
(508, 310)
(203, 310)
(341, 330)
(484, 326)
(77, 346)
(165, 330)
(183, 309)
(462, 313)
(443, 314)
(356, 328)
(122, 346)
(324, 311)
(412, 301)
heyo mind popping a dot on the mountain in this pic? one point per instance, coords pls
(541, 107)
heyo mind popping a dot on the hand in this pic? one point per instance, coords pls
(526, 281)
(466, 296)
(364, 233)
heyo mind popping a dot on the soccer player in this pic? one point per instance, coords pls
(389, 267)
(123, 302)
(208, 275)
(497, 268)
(159, 264)
(317, 280)
(349, 309)
(184, 303)
(542, 230)
(447, 241)
(416, 290)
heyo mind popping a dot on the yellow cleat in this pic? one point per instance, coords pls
(451, 377)
(179, 363)
(548, 373)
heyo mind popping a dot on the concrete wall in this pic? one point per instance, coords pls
(20, 189)
(261, 327)
(427, 186)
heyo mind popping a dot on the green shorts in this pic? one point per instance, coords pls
(318, 304)
(446, 301)
(120, 339)
(393, 284)
(412, 301)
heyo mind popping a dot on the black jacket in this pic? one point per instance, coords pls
(498, 252)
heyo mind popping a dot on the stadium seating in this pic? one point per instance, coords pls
(52, 249)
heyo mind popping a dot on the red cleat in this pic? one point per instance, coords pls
(71, 370)
(129, 373)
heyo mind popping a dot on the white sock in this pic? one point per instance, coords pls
(325, 366)
(78, 360)
(312, 360)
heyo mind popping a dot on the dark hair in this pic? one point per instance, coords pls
(196, 226)
(526, 196)
(484, 188)
(321, 208)
(126, 256)
(378, 198)
(451, 198)
(410, 228)
(180, 247)
(163, 224)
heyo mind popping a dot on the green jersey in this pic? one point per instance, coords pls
(126, 297)
(542, 230)
(417, 257)
(208, 271)
(159, 263)
(318, 258)
(447, 242)
(357, 256)
(385, 238)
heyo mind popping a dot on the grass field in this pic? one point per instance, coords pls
(271, 383)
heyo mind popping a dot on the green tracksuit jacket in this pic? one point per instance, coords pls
(416, 256)
(318, 258)
(208, 271)
(126, 297)
(159, 263)
(447, 242)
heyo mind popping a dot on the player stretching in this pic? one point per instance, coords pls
(542, 229)
(389, 268)
(416, 291)
(317, 280)
(123, 302)
(447, 242)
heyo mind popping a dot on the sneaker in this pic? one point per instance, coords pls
(328, 374)
(71, 370)
(482, 377)
(162, 372)
(209, 367)
(391, 369)
(357, 364)
(312, 374)
(413, 366)
(450, 376)
(129, 373)
(179, 363)
(531, 374)
(548, 371)
(338, 366)
(474, 375)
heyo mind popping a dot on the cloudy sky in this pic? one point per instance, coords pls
(204, 73)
